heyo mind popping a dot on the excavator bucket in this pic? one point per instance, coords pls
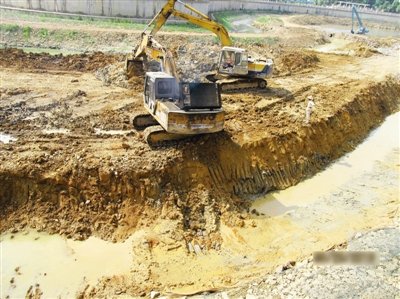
(134, 68)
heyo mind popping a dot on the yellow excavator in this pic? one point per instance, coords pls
(236, 68)
(175, 109)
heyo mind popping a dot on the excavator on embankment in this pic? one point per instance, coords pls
(236, 68)
(361, 28)
(175, 109)
(180, 109)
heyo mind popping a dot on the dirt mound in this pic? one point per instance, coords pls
(318, 20)
(10, 57)
(360, 49)
(295, 61)
(116, 74)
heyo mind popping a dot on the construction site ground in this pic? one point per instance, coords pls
(181, 219)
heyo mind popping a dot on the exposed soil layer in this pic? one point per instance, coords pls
(79, 62)
(81, 182)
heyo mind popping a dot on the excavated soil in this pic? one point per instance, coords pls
(77, 168)
(79, 62)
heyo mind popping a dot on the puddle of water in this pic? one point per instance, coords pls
(56, 131)
(60, 266)
(334, 28)
(5, 138)
(379, 143)
(245, 25)
(112, 132)
(333, 46)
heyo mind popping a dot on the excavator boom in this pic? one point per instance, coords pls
(240, 68)
(361, 28)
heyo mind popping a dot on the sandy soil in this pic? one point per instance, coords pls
(78, 168)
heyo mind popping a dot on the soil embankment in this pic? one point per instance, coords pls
(109, 184)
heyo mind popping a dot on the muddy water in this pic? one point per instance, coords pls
(358, 192)
(60, 266)
(334, 28)
(244, 25)
(380, 143)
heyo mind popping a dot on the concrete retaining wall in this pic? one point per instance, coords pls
(221, 5)
(148, 8)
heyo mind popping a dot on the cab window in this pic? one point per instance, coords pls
(238, 58)
(164, 88)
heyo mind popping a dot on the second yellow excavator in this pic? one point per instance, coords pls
(236, 69)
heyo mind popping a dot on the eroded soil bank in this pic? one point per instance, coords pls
(78, 182)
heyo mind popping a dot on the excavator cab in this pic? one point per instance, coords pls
(160, 86)
(179, 109)
(233, 61)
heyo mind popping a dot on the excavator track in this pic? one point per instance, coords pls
(241, 84)
(232, 84)
(141, 121)
(156, 135)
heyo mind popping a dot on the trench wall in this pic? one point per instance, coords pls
(148, 8)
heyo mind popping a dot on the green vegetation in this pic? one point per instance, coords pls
(262, 17)
(268, 19)
(385, 5)
(118, 23)
(26, 32)
(225, 18)
(57, 35)
(9, 27)
(257, 41)
(43, 32)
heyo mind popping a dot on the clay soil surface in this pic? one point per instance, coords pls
(77, 168)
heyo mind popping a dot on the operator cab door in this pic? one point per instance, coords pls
(149, 95)
(147, 90)
(233, 62)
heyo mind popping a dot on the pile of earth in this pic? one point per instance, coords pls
(360, 49)
(295, 61)
(77, 62)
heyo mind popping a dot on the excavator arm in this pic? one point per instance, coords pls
(149, 48)
(206, 23)
(198, 19)
(361, 28)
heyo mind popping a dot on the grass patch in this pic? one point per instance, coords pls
(268, 19)
(261, 16)
(118, 23)
(43, 32)
(26, 32)
(258, 41)
(63, 35)
(9, 28)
